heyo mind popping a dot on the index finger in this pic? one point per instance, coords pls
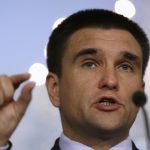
(18, 79)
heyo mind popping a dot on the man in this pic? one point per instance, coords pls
(96, 61)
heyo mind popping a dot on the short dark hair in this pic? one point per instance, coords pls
(98, 18)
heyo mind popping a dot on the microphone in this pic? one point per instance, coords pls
(140, 99)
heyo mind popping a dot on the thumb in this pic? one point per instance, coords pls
(24, 100)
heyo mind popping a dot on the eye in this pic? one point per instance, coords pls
(126, 67)
(89, 65)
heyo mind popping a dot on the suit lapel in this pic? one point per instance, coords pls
(134, 147)
(56, 145)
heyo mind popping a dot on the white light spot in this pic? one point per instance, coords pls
(57, 22)
(38, 73)
(45, 51)
(125, 7)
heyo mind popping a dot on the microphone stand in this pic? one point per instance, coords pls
(147, 127)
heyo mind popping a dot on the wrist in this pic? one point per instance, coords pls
(3, 143)
(4, 147)
(7, 146)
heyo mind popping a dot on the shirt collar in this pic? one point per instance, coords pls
(66, 143)
(124, 145)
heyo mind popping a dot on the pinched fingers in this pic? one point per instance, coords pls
(18, 79)
(8, 85)
(12, 111)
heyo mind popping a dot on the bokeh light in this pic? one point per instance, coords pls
(38, 73)
(125, 7)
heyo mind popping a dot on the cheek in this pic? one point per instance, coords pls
(132, 113)
(75, 92)
(128, 86)
(70, 92)
(131, 109)
(131, 83)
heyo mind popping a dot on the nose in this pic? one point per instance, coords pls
(109, 80)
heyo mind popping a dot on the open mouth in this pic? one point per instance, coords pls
(107, 101)
(107, 104)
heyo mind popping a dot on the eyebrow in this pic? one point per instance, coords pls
(131, 57)
(84, 52)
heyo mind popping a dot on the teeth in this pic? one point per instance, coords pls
(107, 102)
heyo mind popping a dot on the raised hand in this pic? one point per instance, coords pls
(12, 111)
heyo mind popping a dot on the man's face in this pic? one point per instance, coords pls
(101, 69)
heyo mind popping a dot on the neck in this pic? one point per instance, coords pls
(97, 142)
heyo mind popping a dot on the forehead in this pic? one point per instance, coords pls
(105, 39)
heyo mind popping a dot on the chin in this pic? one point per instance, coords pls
(109, 131)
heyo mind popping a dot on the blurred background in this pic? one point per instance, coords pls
(25, 27)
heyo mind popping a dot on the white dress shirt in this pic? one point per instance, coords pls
(67, 144)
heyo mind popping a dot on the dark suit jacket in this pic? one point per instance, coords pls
(56, 146)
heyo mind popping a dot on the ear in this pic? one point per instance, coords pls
(52, 85)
